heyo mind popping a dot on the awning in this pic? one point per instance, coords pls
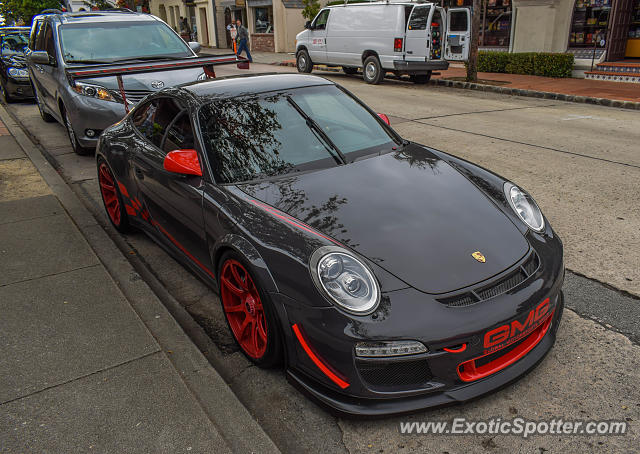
(252, 3)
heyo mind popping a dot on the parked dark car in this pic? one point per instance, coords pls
(14, 77)
(387, 276)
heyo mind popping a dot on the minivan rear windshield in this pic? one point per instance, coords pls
(114, 41)
(273, 134)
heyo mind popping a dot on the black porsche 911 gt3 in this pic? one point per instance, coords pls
(385, 275)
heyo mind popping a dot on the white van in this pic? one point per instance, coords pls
(403, 37)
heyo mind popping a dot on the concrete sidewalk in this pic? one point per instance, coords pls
(92, 362)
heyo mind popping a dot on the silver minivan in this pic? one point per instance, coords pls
(402, 37)
(65, 41)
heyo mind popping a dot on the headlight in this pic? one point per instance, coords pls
(202, 76)
(345, 280)
(18, 73)
(525, 207)
(93, 91)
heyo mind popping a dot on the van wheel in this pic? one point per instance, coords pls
(79, 149)
(303, 62)
(372, 72)
(420, 79)
(349, 70)
(44, 115)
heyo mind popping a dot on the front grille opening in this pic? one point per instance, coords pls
(395, 373)
(495, 288)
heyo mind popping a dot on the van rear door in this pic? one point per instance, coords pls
(458, 35)
(418, 32)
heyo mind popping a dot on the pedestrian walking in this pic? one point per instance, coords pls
(243, 40)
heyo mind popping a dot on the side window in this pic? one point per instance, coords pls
(458, 21)
(153, 118)
(34, 34)
(320, 23)
(48, 44)
(419, 17)
(179, 134)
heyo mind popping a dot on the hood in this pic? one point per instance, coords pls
(15, 60)
(143, 81)
(409, 212)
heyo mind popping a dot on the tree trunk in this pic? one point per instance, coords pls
(476, 18)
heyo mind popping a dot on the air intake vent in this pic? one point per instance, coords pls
(395, 373)
(497, 287)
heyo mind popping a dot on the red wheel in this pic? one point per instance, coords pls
(248, 312)
(243, 308)
(111, 197)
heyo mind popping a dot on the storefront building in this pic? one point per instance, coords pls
(496, 22)
(274, 24)
(197, 24)
(604, 29)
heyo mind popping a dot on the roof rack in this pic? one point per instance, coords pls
(51, 11)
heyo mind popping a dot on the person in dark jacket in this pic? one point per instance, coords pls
(243, 40)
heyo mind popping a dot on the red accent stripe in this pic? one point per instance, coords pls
(293, 221)
(456, 350)
(317, 361)
(183, 249)
(467, 371)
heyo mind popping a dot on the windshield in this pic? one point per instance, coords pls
(118, 41)
(273, 134)
(14, 43)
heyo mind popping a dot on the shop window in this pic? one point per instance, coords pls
(634, 29)
(263, 19)
(589, 24)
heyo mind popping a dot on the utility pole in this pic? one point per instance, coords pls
(476, 17)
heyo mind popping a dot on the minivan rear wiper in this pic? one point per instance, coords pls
(315, 127)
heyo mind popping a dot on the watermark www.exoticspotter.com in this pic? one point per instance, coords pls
(516, 426)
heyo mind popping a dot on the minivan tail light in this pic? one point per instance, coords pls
(397, 45)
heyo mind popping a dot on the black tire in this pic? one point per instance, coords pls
(420, 79)
(372, 71)
(44, 115)
(77, 148)
(5, 95)
(350, 70)
(121, 221)
(303, 62)
(273, 349)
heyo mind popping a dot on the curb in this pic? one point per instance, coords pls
(510, 91)
(235, 424)
(537, 94)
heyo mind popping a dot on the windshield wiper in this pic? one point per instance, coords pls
(92, 62)
(340, 158)
(145, 58)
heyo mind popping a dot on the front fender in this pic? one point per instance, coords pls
(249, 252)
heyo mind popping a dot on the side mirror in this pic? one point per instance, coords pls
(183, 162)
(384, 118)
(307, 25)
(196, 47)
(39, 57)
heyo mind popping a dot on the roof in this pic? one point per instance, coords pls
(259, 83)
(293, 4)
(101, 16)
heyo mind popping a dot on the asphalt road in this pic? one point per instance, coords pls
(582, 165)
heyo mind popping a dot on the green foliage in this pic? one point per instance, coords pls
(529, 63)
(311, 9)
(22, 11)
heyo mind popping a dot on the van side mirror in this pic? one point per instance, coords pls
(307, 25)
(183, 162)
(195, 46)
(39, 57)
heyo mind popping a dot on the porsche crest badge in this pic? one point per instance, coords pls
(479, 257)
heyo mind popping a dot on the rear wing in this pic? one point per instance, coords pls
(118, 70)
